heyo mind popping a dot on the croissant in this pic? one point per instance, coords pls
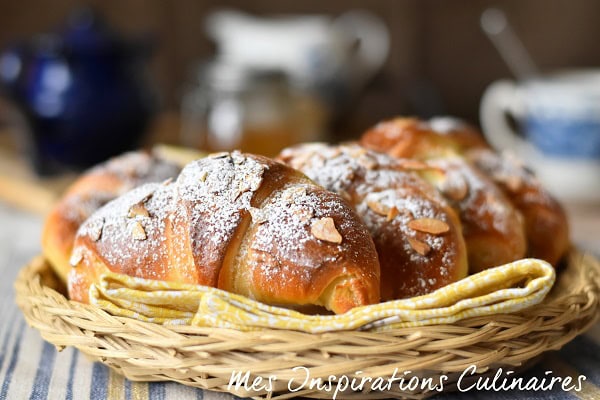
(439, 137)
(91, 191)
(239, 222)
(417, 235)
(493, 228)
(546, 224)
(546, 231)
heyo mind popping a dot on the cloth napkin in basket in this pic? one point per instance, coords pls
(502, 289)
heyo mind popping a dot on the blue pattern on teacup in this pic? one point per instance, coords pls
(565, 137)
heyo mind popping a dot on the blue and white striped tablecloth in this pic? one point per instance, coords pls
(30, 368)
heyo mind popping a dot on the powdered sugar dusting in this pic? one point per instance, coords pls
(135, 168)
(131, 170)
(207, 207)
(208, 197)
(218, 189)
(412, 206)
(117, 243)
(78, 207)
(484, 207)
(352, 169)
(289, 216)
(512, 175)
(375, 183)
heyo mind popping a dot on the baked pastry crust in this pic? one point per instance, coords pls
(417, 234)
(545, 225)
(91, 191)
(239, 222)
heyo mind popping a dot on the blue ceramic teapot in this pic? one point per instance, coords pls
(83, 92)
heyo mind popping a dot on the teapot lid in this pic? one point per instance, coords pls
(86, 31)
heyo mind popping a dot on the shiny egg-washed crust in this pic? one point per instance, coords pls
(413, 138)
(239, 222)
(545, 223)
(493, 229)
(397, 206)
(91, 191)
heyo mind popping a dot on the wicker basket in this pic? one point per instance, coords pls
(206, 357)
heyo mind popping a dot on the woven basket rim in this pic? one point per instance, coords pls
(206, 357)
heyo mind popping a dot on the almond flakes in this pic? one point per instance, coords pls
(429, 225)
(367, 162)
(392, 213)
(137, 231)
(202, 176)
(378, 207)
(137, 210)
(420, 247)
(76, 257)
(324, 229)
(513, 183)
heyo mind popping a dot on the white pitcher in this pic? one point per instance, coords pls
(316, 50)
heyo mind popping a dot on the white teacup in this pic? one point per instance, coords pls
(557, 132)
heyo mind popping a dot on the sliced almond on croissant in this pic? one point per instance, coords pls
(420, 247)
(378, 207)
(138, 210)
(392, 213)
(429, 225)
(137, 231)
(324, 229)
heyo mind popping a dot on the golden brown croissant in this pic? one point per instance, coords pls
(417, 235)
(493, 229)
(405, 137)
(545, 222)
(239, 222)
(92, 190)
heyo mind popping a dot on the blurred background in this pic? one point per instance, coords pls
(84, 80)
(435, 45)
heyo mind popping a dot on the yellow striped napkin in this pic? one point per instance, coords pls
(502, 289)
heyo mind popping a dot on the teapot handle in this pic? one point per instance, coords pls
(373, 37)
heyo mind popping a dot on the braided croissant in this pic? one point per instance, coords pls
(546, 224)
(417, 235)
(492, 227)
(239, 222)
(546, 232)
